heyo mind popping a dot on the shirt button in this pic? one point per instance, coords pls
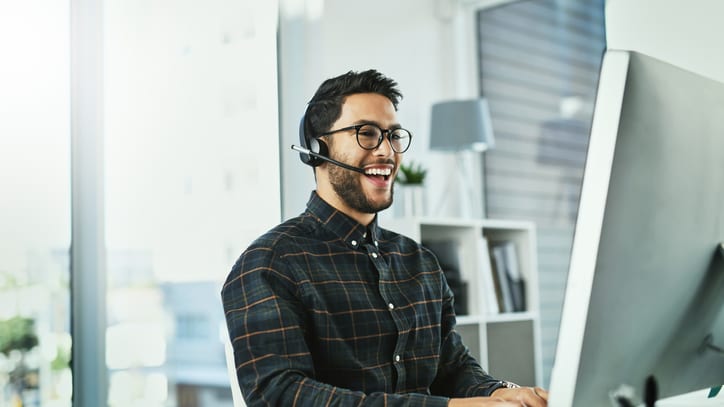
(374, 255)
(354, 243)
(397, 358)
(391, 306)
(376, 244)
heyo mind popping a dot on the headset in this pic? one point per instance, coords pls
(314, 151)
(312, 145)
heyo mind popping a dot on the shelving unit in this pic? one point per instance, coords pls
(507, 344)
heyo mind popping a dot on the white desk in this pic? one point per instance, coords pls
(697, 398)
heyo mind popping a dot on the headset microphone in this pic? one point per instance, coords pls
(325, 158)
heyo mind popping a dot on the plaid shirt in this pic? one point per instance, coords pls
(324, 311)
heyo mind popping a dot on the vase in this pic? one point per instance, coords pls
(409, 200)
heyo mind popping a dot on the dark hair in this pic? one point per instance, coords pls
(325, 107)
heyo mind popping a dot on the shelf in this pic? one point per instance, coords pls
(492, 318)
(464, 246)
(470, 319)
(511, 316)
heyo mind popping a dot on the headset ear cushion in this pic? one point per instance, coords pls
(320, 147)
(314, 145)
(306, 143)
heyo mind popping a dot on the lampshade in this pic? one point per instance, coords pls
(459, 125)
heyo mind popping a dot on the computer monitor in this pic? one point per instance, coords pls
(646, 279)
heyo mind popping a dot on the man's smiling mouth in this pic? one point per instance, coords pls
(378, 172)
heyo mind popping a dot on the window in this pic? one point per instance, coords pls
(35, 228)
(539, 66)
(192, 177)
(190, 165)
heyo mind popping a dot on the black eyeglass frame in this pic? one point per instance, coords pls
(381, 138)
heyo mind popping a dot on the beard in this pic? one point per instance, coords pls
(348, 186)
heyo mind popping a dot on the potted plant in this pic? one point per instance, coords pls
(411, 174)
(17, 334)
(410, 196)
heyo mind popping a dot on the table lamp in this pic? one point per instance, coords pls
(464, 127)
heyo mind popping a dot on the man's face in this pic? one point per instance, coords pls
(362, 193)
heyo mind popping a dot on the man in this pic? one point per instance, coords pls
(330, 309)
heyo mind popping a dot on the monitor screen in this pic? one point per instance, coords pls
(646, 279)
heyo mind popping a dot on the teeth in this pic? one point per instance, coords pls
(378, 171)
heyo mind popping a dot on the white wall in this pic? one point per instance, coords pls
(684, 33)
(401, 42)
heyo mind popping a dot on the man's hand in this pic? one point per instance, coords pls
(518, 397)
(527, 396)
(482, 402)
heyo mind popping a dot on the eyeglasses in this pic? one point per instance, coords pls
(370, 136)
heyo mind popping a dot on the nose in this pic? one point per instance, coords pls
(385, 148)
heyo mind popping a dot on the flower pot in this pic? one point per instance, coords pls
(409, 200)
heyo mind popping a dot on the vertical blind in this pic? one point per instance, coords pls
(539, 63)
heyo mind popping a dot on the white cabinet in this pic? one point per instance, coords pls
(507, 344)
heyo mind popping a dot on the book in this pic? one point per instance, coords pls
(448, 256)
(517, 282)
(496, 282)
(446, 251)
(515, 277)
(503, 282)
(487, 279)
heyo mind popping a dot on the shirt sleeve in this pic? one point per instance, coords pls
(266, 323)
(459, 373)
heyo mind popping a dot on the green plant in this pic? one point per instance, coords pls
(411, 174)
(17, 333)
(62, 359)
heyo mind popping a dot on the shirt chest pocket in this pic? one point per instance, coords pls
(347, 311)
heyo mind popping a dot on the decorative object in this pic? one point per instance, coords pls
(410, 192)
(17, 333)
(17, 338)
(412, 174)
(464, 128)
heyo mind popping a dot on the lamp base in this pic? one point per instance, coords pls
(464, 194)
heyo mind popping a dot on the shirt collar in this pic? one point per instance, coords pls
(347, 229)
